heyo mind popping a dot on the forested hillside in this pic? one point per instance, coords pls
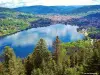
(49, 9)
(73, 58)
(62, 10)
(86, 10)
(90, 22)
(11, 21)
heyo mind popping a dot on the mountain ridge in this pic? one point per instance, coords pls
(46, 9)
(39, 9)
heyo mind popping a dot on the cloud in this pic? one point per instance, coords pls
(70, 2)
(11, 3)
(19, 3)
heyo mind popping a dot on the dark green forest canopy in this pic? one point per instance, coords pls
(73, 58)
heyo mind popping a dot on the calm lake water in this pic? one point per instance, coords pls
(23, 42)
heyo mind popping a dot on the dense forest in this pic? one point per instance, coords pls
(72, 58)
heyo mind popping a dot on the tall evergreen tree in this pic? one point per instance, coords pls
(1, 68)
(10, 63)
(40, 53)
(12, 66)
(20, 67)
(57, 48)
(28, 64)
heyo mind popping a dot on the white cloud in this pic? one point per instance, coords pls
(18, 3)
(69, 2)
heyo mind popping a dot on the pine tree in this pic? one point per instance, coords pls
(10, 64)
(28, 64)
(20, 67)
(1, 68)
(57, 48)
(40, 53)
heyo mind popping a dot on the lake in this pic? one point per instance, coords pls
(24, 42)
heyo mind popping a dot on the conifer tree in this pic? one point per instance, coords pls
(10, 64)
(20, 67)
(40, 53)
(1, 68)
(28, 64)
(57, 48)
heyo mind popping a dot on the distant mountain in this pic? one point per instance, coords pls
(5, 12)
(10, 13)
(46, 9)
(86, 9)
(58, 9)
(2, 9)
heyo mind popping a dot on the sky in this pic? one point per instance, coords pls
(20, 3)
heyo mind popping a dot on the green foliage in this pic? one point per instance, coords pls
(8, 26)
(12, 22)
(10, 62)
(28, 65)
(93, 64)
(1, 68)
(57, 50)
(12, 66)
(79, 51)
(36, 72)
(41, 53)
(75, 58)
(20, 67)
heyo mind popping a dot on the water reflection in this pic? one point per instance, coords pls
(23, 42)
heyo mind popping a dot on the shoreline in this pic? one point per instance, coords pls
(13, 33)
(19, 31)
(26, 29)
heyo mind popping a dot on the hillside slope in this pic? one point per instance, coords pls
(46, 9)
(12, 22)
(86, 9)
(65, 10)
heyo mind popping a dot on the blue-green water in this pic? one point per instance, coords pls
(23, 42)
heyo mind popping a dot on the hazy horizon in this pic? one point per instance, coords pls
(22, 3)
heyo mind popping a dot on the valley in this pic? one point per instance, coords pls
(19, 19)
(50, 40)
